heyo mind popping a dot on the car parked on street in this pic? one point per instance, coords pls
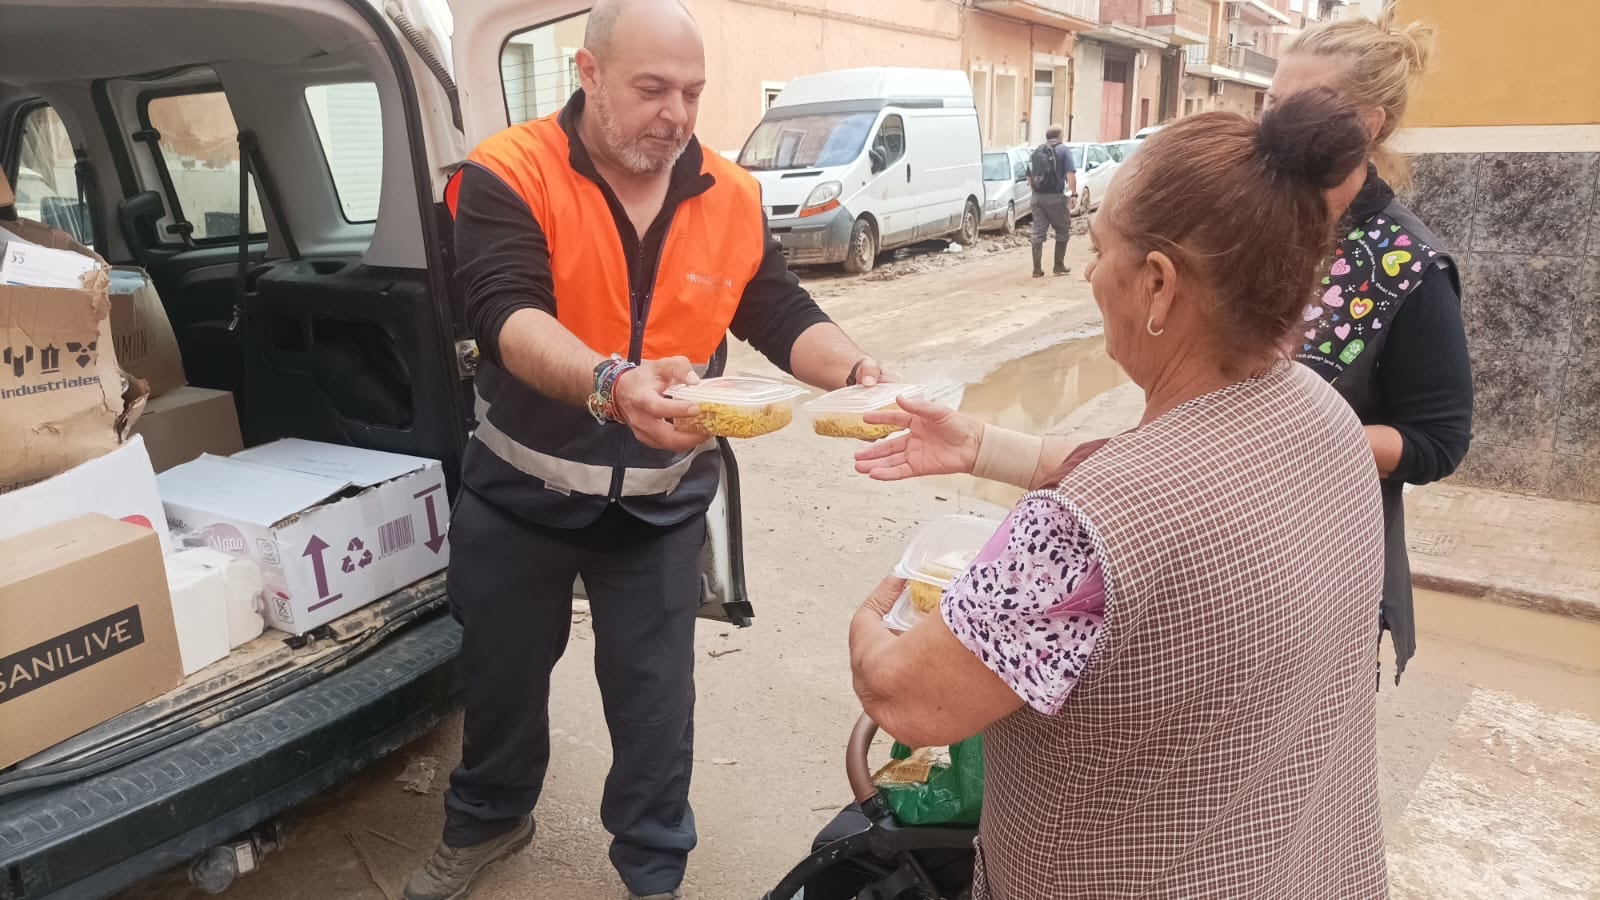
(1095, 166)
(1121, 150)
(1007, 195)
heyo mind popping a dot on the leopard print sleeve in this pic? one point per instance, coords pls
(1031, 605)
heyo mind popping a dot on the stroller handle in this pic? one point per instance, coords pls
(856, 767)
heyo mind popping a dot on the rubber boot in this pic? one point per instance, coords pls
(1061, 259)
(1038, 260)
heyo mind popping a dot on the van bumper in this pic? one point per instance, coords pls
(91, 837)
(815, 240)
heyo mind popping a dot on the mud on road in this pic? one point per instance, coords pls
(1489, 753)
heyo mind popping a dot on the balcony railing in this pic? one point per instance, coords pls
(1230, 56)
(1259, 64)
(1185, 14)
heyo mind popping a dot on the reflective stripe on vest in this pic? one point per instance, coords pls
(564, 476)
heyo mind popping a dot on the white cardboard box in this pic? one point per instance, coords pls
(199, 612)
(121, 484)
(241, 589)
(333, 528)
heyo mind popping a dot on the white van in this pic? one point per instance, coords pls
(855, 162)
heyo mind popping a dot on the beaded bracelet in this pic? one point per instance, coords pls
(602, 403)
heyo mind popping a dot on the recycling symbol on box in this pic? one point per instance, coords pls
(351, 562)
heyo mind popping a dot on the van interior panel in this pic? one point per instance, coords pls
(338, 335)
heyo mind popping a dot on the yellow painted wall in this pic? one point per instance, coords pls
(1532, 62)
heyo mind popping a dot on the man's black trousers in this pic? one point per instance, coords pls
(511, 585)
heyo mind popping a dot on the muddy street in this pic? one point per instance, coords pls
(1490, 746)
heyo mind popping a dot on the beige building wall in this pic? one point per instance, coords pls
(1002, 58)
(1147, 96)
(1239, 98)
(1088, 81)
(754, 46)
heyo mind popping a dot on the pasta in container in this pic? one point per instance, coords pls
(842, 413)
(936, 556)
(735, 407)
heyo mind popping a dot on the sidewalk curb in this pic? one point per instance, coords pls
(1553, 604)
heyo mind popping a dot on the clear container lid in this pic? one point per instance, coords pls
(863, 399)
(737, 391)
(902, 615)
(944, 548)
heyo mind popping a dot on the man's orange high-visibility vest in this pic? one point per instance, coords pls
(548, 461)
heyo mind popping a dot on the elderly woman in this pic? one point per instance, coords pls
(1173, 684)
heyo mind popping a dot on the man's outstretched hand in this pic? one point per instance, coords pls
(642, 404)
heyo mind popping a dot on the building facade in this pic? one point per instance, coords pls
(1507, 164)
(1104, 69)
(1017, 53)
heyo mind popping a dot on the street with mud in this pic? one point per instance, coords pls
(1490, 745)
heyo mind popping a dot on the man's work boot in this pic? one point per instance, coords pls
(448, 875)
(1061, 259)
(1038, 260)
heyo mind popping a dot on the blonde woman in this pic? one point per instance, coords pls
(1384, 326)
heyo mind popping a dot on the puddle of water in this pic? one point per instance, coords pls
(1515, 632)
(1033, 394)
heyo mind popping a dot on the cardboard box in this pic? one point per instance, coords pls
(179, 426)
(333, 528)
(63, 399)
(121, 485)
(146, 346)
(141, 334)
(85, 630)
(241, 589)
(199, 612)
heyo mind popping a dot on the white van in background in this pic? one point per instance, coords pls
(855, 162)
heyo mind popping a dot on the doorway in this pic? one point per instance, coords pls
(1005, 109)
(1041, 114)
(1113, 101)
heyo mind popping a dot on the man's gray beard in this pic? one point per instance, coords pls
(624, 152)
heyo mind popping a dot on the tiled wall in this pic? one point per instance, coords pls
(1525, 228)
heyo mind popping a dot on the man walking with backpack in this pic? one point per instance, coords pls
(1054, 180)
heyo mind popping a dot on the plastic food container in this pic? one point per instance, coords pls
(942, 550)
(902, 615)
(842, 413)
(737, 407)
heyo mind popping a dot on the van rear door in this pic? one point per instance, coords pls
(513, 62)
(949, 168)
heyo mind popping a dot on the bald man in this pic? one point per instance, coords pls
(603, 258)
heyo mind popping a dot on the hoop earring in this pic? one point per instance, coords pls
(1150, 326)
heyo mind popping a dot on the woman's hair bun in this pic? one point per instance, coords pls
(1415, 40)
(1312, 136)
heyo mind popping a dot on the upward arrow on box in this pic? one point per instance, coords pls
(314, 549)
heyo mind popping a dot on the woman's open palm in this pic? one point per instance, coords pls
(936, 440)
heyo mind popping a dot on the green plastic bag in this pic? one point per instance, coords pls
(953, 795)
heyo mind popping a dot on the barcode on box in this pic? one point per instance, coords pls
(396, 536)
